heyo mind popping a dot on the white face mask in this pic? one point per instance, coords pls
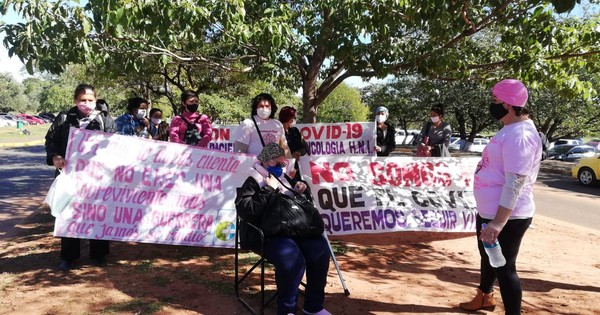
(381, 118)
(263, 113)
(435, 119)
(141, 113)
(293, 122)
(156, 121)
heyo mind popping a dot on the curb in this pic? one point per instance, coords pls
(21, 144)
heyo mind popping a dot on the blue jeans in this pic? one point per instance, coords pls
(291, 257)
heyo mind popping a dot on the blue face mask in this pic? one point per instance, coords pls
(275, 170)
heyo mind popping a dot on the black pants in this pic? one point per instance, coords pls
(510, 285)
(70, 248)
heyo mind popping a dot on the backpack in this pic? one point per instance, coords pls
(192, 134)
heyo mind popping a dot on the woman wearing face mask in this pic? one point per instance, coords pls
(83, 115)
(133, 120)
(290, 256)
(190, 127)
(155, 122)
(296, 143)
(386, 141)
(503, 189)
(435, 135)
(248, 139)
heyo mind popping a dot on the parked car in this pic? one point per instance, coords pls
(10, 117)
(587, 170)
(577, 152)
(31, 119)
(478, 144)
(558, 150)
(455, 143)
(595, 144)
(403, 137)
(7, 122)
(49, 116)
(565, 141)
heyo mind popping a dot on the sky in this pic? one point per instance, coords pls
(17, 68)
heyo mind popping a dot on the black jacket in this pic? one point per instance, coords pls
(58, 134)
(387, 144)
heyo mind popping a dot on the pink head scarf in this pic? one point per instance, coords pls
(512, 92)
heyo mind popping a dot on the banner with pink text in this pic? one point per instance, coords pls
(351, 138)
(140, 190)
(378, 195)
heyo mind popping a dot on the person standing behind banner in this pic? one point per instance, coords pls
(248, 139)
(83, 116)
(503, 190)
(435, 135)
(155, 121)
(386, 134)
(297, 144)
(134, 118)
(190, 127)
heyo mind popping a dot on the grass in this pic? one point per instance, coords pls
(12, 134)
(135, 306)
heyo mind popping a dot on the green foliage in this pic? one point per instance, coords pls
(344, 104)
(172, 45)
(12, 96)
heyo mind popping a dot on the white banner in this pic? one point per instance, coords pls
(140, 190)
(389, 194)
(352, 138)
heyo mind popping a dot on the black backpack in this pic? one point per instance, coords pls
(192, 134)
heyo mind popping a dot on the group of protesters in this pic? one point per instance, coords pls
(503, 180)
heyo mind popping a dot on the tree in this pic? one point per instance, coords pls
(316, 43)
(343, 105)
(12, 96)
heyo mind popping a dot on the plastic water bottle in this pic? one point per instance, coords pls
(494, 252)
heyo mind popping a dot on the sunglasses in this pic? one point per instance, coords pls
(280, 164)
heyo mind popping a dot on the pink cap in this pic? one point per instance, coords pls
(512, 92)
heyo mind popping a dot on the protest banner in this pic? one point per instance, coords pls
(221, 138)
(390, 194)
(351, 138)
(140, 190)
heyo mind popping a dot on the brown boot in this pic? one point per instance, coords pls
(481, 301)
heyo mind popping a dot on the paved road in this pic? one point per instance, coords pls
(24, 172)
(562, 197)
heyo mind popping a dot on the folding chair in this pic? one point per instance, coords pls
(260, 263)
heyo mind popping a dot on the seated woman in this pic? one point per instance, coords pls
(290, 256)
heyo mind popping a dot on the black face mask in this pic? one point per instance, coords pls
(192, 108)
(498, 111)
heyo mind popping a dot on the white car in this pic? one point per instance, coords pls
(403, 138)
(565, 141)
(478, 144)
(6, 122)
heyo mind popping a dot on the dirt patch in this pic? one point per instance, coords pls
(396, 273)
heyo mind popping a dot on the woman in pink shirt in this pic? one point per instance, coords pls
(503, 190)
(190, 127)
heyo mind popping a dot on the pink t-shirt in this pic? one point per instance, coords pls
(270, 129)
(516, 148)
